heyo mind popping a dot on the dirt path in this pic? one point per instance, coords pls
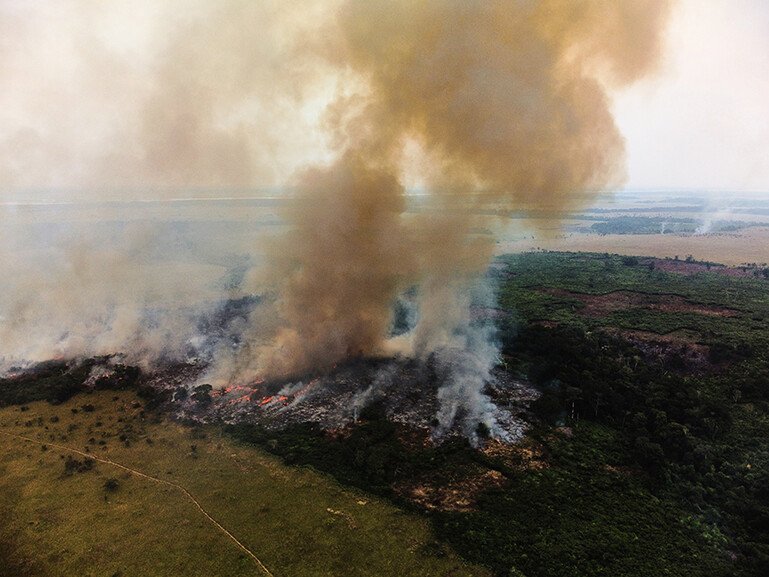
(184, 491)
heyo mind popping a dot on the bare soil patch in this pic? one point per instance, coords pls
(459, 496)
(604, 304)
(524, 456)
(689, 268)
(678, 350)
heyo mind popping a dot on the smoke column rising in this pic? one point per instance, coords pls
(506, 103)
(509, 103)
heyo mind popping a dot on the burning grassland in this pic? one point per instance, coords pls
(404, 391)
(621, 435)
(486, 107)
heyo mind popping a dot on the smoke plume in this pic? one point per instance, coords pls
(509, 103)
(488, 106)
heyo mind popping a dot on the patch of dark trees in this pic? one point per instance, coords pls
(680, 429)
(74, 465)
(371, 455)
(58, 381)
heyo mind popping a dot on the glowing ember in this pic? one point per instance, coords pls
(273, 398)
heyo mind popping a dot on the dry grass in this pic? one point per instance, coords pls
(71, 525)
(750, 245)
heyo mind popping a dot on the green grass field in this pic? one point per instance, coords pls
(296, 520)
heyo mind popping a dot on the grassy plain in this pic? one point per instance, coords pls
(748, 245)
(296, 521)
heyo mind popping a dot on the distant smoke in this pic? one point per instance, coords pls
(489, 105)
(78, 299)
(101, 98)
(714, 213)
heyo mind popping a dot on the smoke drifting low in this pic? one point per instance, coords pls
(506, 105)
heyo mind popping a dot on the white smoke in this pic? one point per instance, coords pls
(715, 211)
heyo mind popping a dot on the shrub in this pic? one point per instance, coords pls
(73, 465)
(111, 485)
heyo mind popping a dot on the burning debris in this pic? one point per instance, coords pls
(402, 390)
(450, 392)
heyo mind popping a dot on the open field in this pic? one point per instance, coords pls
(295, 520)
(749, 245)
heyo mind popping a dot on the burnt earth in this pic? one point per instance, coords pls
(402, 390)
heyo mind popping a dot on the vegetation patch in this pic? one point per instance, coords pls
(103, 520)
(648, 453)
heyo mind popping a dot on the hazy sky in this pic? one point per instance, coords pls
(704, 121)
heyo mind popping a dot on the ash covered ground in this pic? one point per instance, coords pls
(404, 390)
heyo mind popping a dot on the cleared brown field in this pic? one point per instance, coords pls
(751, 245)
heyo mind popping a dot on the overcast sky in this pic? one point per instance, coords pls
(703, 122)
